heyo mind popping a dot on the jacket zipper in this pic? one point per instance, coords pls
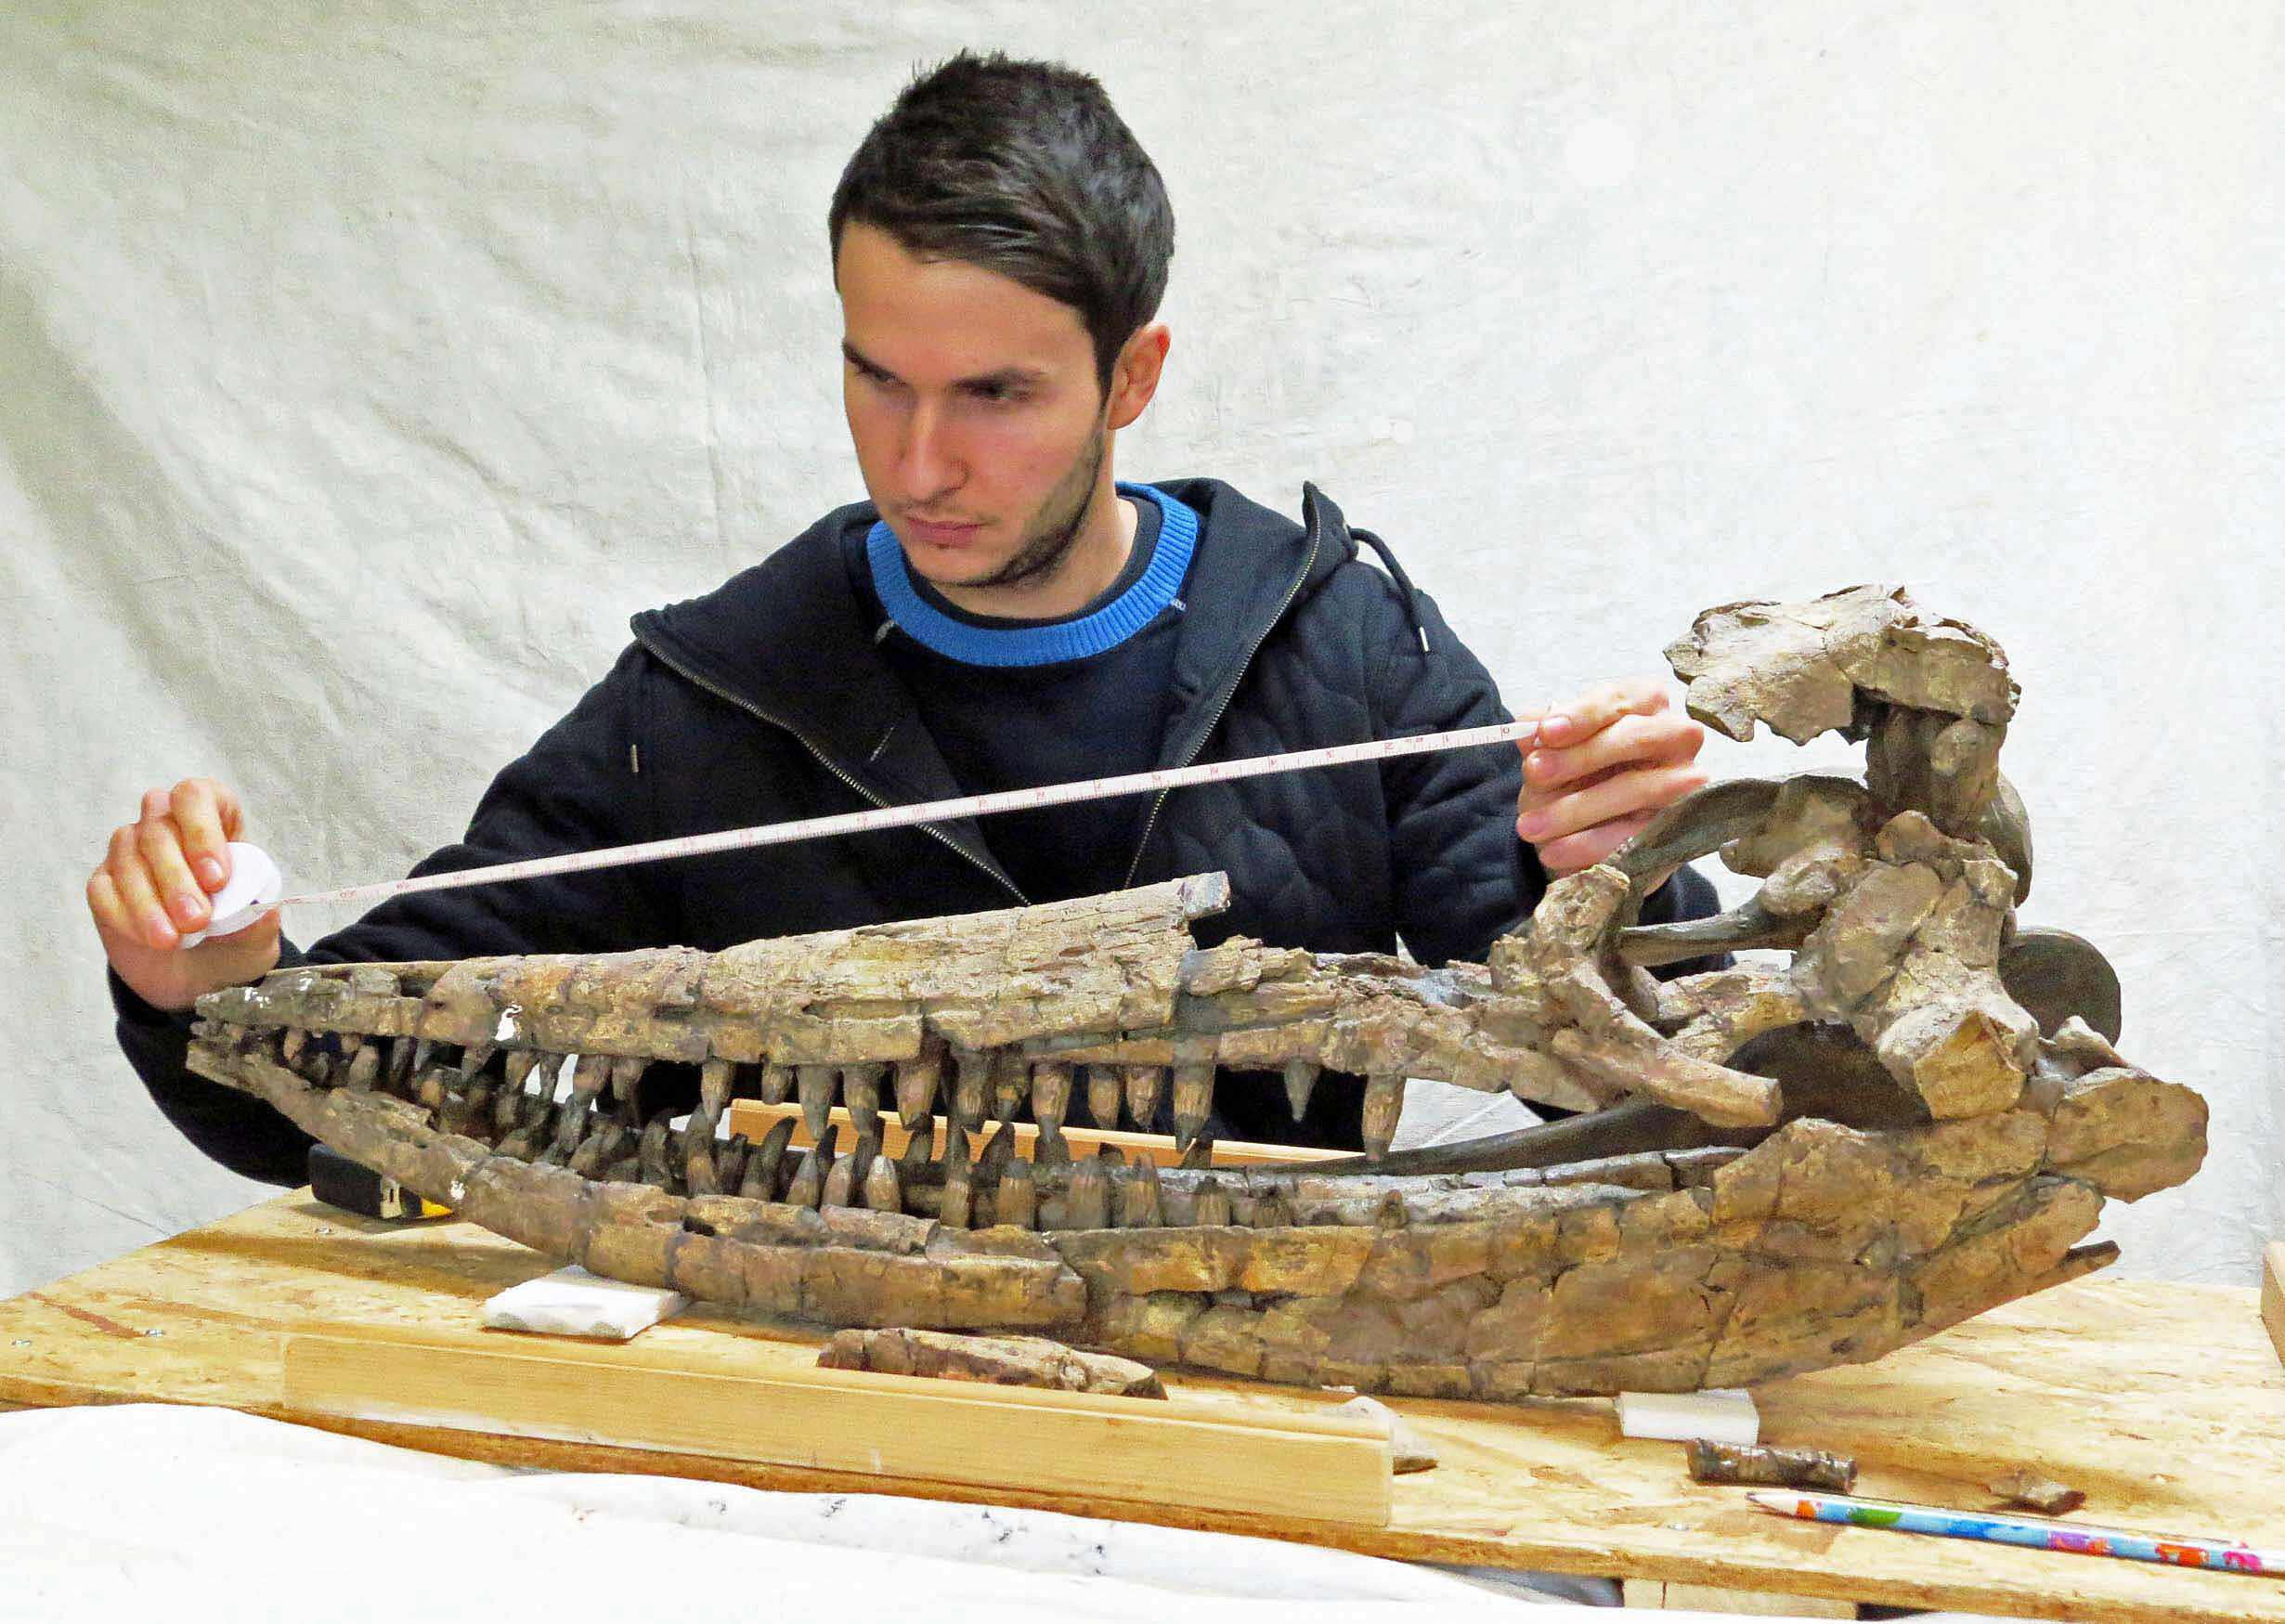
(829, 765)
(1229, 690)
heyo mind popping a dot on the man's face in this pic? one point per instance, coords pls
(974, 407)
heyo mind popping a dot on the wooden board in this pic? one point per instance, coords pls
(2165, 1403)
(2273, 1295)
(634, 1395)
(754, 1119)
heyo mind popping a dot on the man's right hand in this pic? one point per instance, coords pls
(152, 890)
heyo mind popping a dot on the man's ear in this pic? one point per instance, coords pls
(1134, 375)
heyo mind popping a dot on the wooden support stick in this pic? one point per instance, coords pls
(1089, 1446)
(753, 1119)
(2273, 1295)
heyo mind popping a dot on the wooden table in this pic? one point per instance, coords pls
(2166, 1404)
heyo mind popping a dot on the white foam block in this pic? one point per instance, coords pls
(1724, 1414)
(572, 1302)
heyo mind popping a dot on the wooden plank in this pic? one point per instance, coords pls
(1657, 1596)
(2273, 1295)
(1326, 1467)
(2162, 1401)
(753, 1119)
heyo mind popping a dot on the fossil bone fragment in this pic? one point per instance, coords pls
(1785, 1164)
(1007, 1361)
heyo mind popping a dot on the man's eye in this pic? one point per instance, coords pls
(997, 393)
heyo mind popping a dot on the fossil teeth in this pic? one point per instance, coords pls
(1144, 1084)
(1199, 1154)
(1017, 1201)
(1193, 1101)
(290, 1047)
(730, 1158)
(916, 1084)
(433, 1085)
(778, 1083)
(589, 1075)
(1086, 1200)
(1104, 1092)
(814, 1084)
(1273, 1209)
(626, 1078)
(1051, 1094)
(700, 1173)
(884, 1190)
(918, 1147)
(1212, 1203)
(402, 1053)
(861, 1091)
(598, 1150)
(1011, 1084)
(954, 1209)
(516, 1069)
(1139, 1196)
(761, 1177)
(808, 1188)
(845, 1181)
(970, 1088)
(651, 1151)
(364, 1068)
(1051, 1149)
(474, 1059)
(1300, 1082)
(998, 1151)
(1383, 1105)
(1392, 1213)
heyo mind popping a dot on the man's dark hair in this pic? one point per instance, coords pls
(1023, 168)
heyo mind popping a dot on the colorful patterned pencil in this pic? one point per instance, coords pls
(2039, 1533)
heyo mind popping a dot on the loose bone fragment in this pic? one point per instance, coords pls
(1781, 1168)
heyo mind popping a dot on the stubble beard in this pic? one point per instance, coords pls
(1055, 529)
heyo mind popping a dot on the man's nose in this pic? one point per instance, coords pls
(929, 464)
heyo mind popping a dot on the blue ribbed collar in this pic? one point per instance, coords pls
(1040, 645)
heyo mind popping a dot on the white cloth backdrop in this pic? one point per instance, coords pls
(364, 363)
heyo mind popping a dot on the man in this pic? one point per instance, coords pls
(1000, 613)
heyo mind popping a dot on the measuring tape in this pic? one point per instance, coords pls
(888, 817)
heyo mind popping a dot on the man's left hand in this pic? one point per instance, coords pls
(1603, 766)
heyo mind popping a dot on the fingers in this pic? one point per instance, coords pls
(1590, 713)
(1662, 738)
(153, 885)
(208, 816)
(1572, 852)
(1580, 827)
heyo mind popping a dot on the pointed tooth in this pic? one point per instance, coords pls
(1273, 1209)
(1392, 1213)
(845, 1180)
(474, 1058)
(1104, 1092)
(1086, 1200)
(884, 1191)
(1139, 1196)
(350, 1043)
(954, 1209)
(508, 1104)
(1199, 1154)
(1011, 1084)
(1051, 1149)
(762, 1167)
(1193, 1101)
(861, 1091)
(364, 1068)
(1017, 1201)
(625, 1170)
(814, 1084)
(1300, 1082)
(1051, 1092)
(730, 1157)
(916, 1083)
(1111, 1156)
(808, 1188)
(919, 1145)
(651, 1152)
(626, 1078)
(971, 1089)
(402, 1053)
(1383, 1105)
(714, 1080)
(997, 1153)
(1144, 1084)
(778, 1083)
(432, 1084)
(290, 1047)
(1213, 1208)
(598, 1149)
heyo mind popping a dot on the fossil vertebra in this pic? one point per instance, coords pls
(1785, 1165)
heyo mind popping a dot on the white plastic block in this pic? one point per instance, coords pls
(1724, 1414)
(572, 1302)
